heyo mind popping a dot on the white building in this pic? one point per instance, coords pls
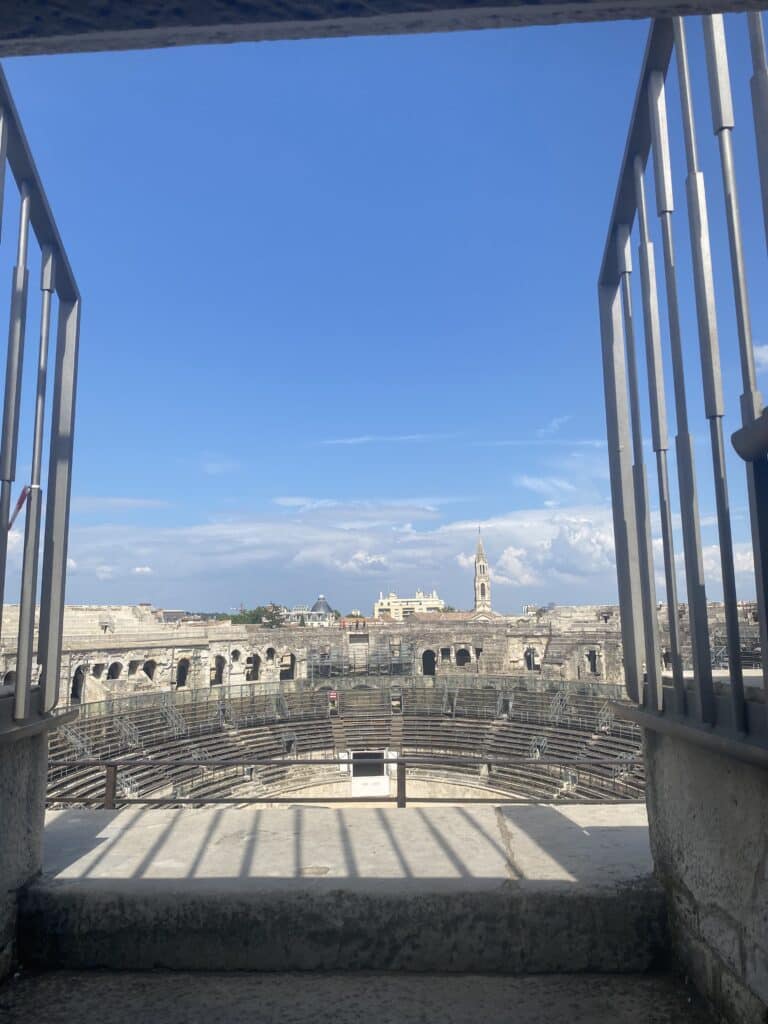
(320, 614)
(399, 608)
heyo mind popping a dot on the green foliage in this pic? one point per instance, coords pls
(270, 615)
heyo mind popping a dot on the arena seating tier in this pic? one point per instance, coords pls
(242, 724)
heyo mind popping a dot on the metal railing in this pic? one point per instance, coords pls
(514, 688)
(620, 771)
(23, 708)
(724, 716)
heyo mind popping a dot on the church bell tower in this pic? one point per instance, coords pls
(482, 579)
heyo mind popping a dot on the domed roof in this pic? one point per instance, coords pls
(322, 606)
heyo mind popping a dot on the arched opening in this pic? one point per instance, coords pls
(97, 671)
(9, 679)
(428, 660)
(290, 744)
(253, 666)
(78, 685)
(235, 656)
(531, 659)
(463, 657)
(482, 590)
(270, 654)
(149, 668)
(217, 676)
(182, 672)
(287, 666)
(114, 670)
(591, 657)
(133, 667)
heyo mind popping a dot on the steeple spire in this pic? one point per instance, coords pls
(480, 553)
(482, 577)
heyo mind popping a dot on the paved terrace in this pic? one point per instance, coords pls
(516, 889)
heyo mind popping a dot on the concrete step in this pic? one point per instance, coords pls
(510, 889)
(97, 997)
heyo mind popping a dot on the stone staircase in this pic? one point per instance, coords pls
(339, 735)
(396, 733)
(559, 904)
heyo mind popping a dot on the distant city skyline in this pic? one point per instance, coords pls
(355, 317)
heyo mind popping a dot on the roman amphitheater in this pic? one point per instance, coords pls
(457, 697)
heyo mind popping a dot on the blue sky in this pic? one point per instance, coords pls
(340, 307)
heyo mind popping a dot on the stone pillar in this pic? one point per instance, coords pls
(708, 820)
(23, 769)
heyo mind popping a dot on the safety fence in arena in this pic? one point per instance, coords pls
(567, 770)
(172, 748)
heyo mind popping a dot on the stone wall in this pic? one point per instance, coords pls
(22, 806)
(118, 650)
(708, 817)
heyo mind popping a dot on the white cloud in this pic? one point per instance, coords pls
(572, 546)
(93, 503)
(761, 358)
(214, 466)
(551, 487)
(386, 438)
(563, 553)
(513, 567)
(743, 562)
(553, 427)
(526, 547)
(529, 442)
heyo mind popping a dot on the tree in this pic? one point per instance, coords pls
(270, 615)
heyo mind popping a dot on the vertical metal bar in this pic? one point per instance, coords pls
(709, 352)
(13, 371)
(686, 472)
(654, 696)
(751, 400)
(3, 159)
(34, 502)
(659, 435)
(401, 801)
(110, 787)
(759, 88)
(622, 488)
(57, 506)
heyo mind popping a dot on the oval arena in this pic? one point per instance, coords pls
(489, 739)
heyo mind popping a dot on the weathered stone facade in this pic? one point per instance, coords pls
(115, 651)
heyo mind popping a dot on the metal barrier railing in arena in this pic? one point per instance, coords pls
(113, 787)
